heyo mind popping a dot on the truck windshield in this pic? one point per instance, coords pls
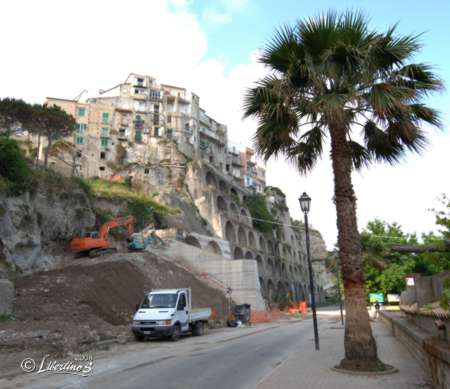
(160, 301)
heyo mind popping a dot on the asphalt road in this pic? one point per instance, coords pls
(232, 358)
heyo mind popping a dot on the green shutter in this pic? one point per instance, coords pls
(104, 142)
(79, 140)
(81, 111)
(105, 117)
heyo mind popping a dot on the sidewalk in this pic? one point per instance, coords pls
(311, 369)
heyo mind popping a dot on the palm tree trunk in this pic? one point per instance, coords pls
(360, 346)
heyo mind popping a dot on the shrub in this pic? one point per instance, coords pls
(256, 204)
(13, 167)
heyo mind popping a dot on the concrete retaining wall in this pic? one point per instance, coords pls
(432, 353)
(239, 275)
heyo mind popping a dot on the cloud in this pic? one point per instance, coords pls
(221, 12)
(76, 45)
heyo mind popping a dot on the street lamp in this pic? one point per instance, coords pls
(305, 203)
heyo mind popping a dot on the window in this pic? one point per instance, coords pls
(156, 118)
(104, 131)
(146, 171)
(105, 117)
(81, 111)
(136, 91)
(181, 302)
(102, 155)
(140, 82)
(82, 127)
(102, 168)
(169, 119)
(79, 140)
(156, 131)
(104, 142)
(169, 132)
(138, 136)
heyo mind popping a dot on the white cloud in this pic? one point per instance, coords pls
(60, 48)
(221, 12)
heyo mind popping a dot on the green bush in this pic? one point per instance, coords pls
(14, 168)
(256, 204)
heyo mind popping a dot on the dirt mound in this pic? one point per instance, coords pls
(70, 309)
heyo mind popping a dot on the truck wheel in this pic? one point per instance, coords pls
(198, 329)
(176, 333)
(139, 337)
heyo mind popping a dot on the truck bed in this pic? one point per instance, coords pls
(200, 314)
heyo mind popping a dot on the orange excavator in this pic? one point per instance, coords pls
(97, 243)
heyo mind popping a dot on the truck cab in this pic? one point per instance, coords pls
(168, 312)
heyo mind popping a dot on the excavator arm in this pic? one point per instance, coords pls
(99, 244)
(118, 222)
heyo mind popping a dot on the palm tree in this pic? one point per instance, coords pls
(331, 76)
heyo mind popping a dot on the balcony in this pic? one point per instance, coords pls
(211, 134)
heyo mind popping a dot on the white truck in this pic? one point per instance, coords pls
(168, 312)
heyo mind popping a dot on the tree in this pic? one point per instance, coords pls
(62, 149)
(384, 270)
(56, 123)
(14, 111)
(329, 76)
(13, 166)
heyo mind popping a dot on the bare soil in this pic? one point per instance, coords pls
(82, 305)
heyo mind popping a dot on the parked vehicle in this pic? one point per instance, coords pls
(169, 313)
(97, 243)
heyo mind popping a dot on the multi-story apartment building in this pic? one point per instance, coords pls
(253, 175)
(131, 125)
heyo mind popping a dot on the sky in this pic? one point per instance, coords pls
(60, 48)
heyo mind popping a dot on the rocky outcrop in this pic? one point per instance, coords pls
(318, 247)
(34, 225)
(6, 297)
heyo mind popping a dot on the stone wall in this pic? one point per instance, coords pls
(222, 273)
(431, 353)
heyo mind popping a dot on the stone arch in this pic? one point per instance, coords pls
(260, 264)
(223, 186)
(263, 288)
(234, 193)
(214, 247)
(238, 253)
(248, 255)
(262, 243)
(193, 241)
(230, 234)
(242, 238)
(211, 180)
(222, 204)
(270, 246)
(251, 240)
(234, 208)
(244, 212)
(270, 289)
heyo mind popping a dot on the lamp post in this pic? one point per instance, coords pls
(305, 202)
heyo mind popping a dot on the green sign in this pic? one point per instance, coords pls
(374, 297)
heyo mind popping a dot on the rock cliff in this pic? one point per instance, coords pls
(36, 225)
